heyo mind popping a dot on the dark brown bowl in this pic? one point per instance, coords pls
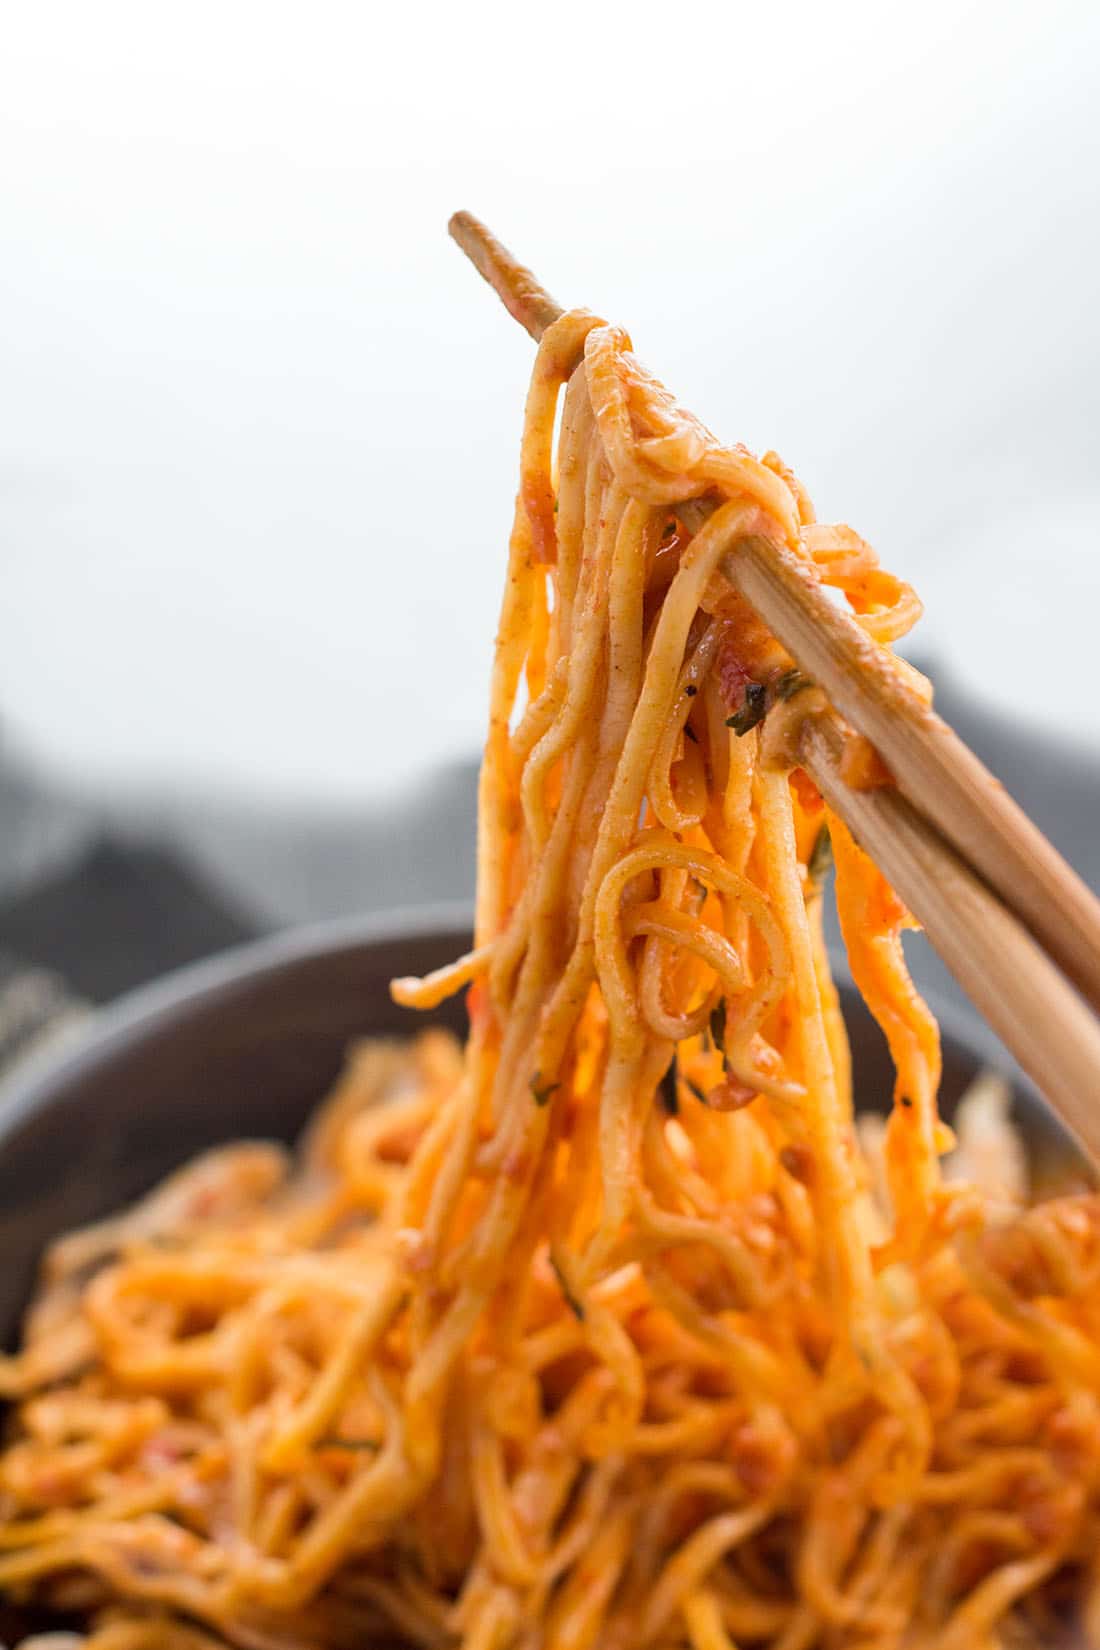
(248, 1043)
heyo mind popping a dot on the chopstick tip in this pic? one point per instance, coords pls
(462, 224)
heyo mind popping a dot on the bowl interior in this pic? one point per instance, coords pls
(247, 1046)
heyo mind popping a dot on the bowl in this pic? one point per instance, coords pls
(248, 1043)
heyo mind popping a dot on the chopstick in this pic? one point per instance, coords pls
(971, 866)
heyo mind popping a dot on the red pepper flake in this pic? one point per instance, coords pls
(799, 1163)
(731, 1095)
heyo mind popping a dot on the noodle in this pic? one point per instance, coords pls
(603, 1331)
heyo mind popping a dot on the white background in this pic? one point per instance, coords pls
(258, 421)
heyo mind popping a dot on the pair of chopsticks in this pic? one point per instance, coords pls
(1013, 922)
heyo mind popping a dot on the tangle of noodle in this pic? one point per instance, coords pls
(595, 1333)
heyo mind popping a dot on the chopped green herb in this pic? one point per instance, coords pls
(691, 733)
(790, 683)
(542, 1091)
(691, 690)
(571, 1300)
(751, 712)
(371, 1444)
(666, 1090)
(820, 862)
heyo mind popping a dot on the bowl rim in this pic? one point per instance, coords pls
(140, 1013)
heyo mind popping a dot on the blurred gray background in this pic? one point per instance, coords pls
(258, 421)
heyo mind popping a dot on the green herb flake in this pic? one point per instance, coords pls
(570, 1299)
(752, 711)
(542, 1091)
(790, 683)
(820, 862)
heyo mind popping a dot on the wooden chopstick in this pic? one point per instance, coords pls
(968, 873)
